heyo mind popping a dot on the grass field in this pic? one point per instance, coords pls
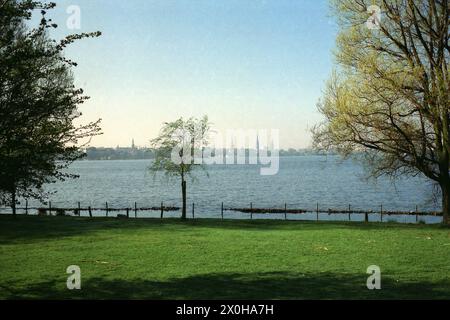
(213, 259)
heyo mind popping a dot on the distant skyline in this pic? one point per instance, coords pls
(246, 64)
(133, 145)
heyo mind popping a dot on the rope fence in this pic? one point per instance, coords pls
(285, 211)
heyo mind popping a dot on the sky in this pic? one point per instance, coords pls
(247, 64)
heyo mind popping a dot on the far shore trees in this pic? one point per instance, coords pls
(38, 103)
(389, 96)
(176, 146)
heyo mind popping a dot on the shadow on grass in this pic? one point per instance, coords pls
(29, 228)
(275, 285)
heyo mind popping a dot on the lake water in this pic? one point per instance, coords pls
(300, 183)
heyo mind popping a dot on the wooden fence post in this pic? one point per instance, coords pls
(193, 209)
(90, 211)
(49, 208)
(317, 211)
(162, 209)
(381, 212)
(135, 209)
(417, 214)
(251, 210)
(26, 207)
(222, 210)
(285, 211)
(349, 212)
(79, 208)
(107, 209)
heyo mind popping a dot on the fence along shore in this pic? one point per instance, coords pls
(251, 210)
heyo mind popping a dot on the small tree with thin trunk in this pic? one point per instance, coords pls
(177, 145)
(389, 98)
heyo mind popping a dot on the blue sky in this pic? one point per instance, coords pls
(246, 64)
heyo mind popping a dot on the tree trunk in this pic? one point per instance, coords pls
(13, 202)
(183, 191)
(445, 187)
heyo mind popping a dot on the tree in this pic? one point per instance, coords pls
(389, 95)
(178, 144)
(38, 104)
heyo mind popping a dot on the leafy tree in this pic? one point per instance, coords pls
(38, 104)
(178, 143)
(389, 95)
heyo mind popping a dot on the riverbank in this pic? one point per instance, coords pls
(213, 259)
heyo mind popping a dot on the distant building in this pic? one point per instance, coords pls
(119, 153)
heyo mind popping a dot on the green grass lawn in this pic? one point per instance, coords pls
(213, 259)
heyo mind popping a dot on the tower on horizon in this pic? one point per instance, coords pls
(257, 146)
(133, 146)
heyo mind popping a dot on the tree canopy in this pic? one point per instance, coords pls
(389, 94)
(38, 103)
(177, 146)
